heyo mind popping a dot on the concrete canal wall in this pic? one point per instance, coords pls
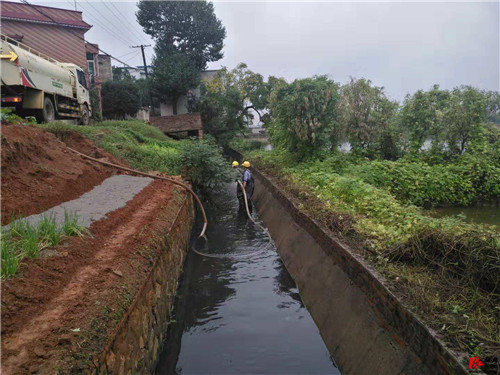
(365, 327)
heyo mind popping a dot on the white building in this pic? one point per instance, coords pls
(140, 72)
(167, 109)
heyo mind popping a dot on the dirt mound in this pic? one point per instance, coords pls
(39, 172)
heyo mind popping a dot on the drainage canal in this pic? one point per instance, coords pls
(240, 312)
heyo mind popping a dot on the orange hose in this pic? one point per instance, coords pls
(152, 176)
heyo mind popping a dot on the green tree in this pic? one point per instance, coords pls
(120, 74)
(119, 99)
(188, 35)
(173, 75)
(493, 106)
(186, 27)
(304, 115)
(463, 116)
(94, 103)
(421, 117)
(365, 112)
(143, 87)
(229, 101)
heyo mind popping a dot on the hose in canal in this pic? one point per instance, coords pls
(251, 219)
(187, 188)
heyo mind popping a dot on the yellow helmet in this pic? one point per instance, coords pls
(246, 164)
(235, 164)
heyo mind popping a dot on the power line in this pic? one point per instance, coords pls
(78, 36)
(127, 54)
(132, 29)
(92, 18)
(105, 21)
(133, 57)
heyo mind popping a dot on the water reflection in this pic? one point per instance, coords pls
(477, 214)
(240, 314)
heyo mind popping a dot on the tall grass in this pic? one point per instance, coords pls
(445, 269)
(145, 147)
(22, 240)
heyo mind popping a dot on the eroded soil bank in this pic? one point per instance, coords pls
(65, 313)
(38, 172)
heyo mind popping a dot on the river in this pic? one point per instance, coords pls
(240, 313)
(478, 214)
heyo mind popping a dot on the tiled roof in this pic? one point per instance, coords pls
(178, 123)
(27, 13)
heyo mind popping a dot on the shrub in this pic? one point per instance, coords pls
(204, 166)
(120, 98)
(244, 145)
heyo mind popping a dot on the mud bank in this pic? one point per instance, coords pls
(365, 327)
(101, 304)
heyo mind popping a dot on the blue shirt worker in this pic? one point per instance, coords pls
(248, 185)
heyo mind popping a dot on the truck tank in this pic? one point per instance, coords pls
(31, 70)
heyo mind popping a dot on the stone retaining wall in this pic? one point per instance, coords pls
(136, 343)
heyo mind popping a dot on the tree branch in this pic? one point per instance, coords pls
(255, 109)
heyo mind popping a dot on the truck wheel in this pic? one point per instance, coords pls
(84, 120)
(48, 112)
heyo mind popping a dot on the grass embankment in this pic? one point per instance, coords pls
(22, 240)
(147, 149)
(445, 269)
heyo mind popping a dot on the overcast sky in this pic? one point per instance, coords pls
(403, 46)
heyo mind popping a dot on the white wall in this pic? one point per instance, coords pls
(166, 109)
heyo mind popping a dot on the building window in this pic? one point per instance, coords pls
(90, 56)
(90, 66)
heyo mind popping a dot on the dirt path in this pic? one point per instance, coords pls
(57, 313)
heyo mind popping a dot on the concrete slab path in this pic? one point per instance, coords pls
(92, 206)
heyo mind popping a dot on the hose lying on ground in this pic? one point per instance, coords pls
(202, 234)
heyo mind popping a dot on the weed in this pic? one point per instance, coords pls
(48, 230)
(445, 269)
(71, 226)
(9, 257)
(23, 240)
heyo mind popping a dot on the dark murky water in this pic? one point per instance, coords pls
(240, 314)
(479, 215)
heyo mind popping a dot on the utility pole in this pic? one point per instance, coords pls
(142, 46)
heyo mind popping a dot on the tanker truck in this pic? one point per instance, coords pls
(37, 85)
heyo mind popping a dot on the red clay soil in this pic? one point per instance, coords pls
(84, 288)
(38, 172)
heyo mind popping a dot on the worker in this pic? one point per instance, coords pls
(248, 183)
